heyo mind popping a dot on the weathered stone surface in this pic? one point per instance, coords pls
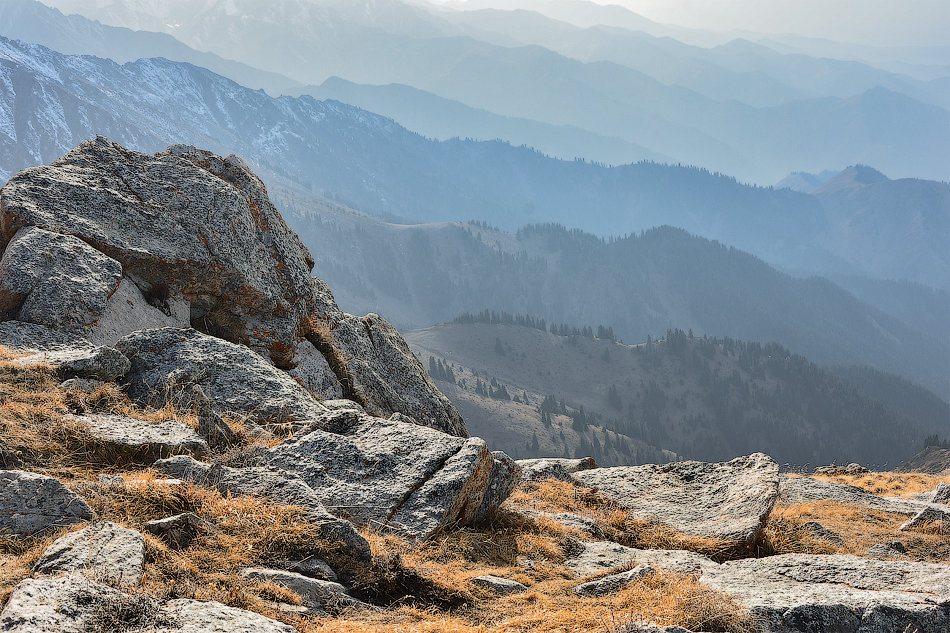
(129, 311)
(139, 440)
(846, 594)
(806, 489)
(600, 556)
(389, 377)
(940, 494)
(567, 520)
(105, 552)
(55, 280)
(614, 582)
(30, 337)
(850, 469)
(75, 604)
(817, 529)
(498, 585)
(554, 467)
(211, 426)
(168, 363)
(87, 385)
(502, 481)
(32, 504)
(312, 567)
(278, 486)
(888, 552)
(387, 474)
(939, 519)
(179, 530)
(730, 500)
(70, 353)
(319, 596)
(335, 405)
(198, 238)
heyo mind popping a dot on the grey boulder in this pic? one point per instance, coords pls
(168, 363)
(498, 585)
(319, 596)
(600, 556)
(72, 355)
(614, 582)
(138, 440)
(806, 489)
(75, 604)
(106, 552)
(55, 280)
(846, 594)
(729, 500)
(554, 467)
(388, 474)
(939, 519)
(504, 478)
(32, 504)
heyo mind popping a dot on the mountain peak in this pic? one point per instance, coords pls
(852, 178)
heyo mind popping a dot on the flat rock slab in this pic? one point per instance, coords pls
(498, 585)
(168, 363)
(104, 551)
(388, 474)
(554, 467)
(729, 500)
(600, 556)
(72, 355)
(32, 504)
(319, 596)
(142, 441)
(614, 582)
(846, 594)
(806, 489)
(75, 604)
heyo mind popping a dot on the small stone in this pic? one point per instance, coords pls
(314, 568)
(614, 582)
(86, 385)
(554, 467)
(498, 585)
(179, 530)
(817, 529)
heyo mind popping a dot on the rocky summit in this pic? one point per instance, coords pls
(197, 439)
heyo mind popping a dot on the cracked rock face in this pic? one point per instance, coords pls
(72, 355)
(186, 237)
(389, 474)
(846, 594)
(32, 504)
(729, 500)
(104, 551)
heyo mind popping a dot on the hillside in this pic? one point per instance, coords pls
(699, 398)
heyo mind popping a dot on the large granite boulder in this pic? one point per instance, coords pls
(278, 486)
(75, 604)
(389, 474)
(167, 364)
(31, 504)
(104, 551)
(845, 594)
(729, 500)
(185, 237)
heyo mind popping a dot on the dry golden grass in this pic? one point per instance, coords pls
(889, 484)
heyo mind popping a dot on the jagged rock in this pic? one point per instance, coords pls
(932, 515)
(129, 311)
(314, 568)
(319, 596)
(729, 500)
(614, 582)
(75, 604)
(554, 467)
(389, 377)
(106, 552)
(71, 354)
(55, 280)
(197, 238)
(600, 556)
(386, 474)
(278, 486)
(32, 504)
(138, 440)
(343, 404)
(817, 529)
(850, 469)
(168, 363)
(847, 594)
(940, 494)
(502, 481)
(806, 489)
(498, 585)
(179, 530)
(211, 426)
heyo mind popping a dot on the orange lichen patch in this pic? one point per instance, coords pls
(889, 484)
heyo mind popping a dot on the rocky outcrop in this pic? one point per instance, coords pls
(185, 237)
(600, 556)
(505, 476)
(932, 517)
(167, 365)
(729, 501)
(846, 594)
(554, 467)
(74, 604)
(389, 474)
(278, 486)
(31, 504)
(850, 469)
(806, 489)
(318, 596)
(72, 355)
(105, 552)
(126, 438)
(613, 582)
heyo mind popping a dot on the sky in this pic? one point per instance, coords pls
(872, 22)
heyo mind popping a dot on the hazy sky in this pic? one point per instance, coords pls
(879, 22)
